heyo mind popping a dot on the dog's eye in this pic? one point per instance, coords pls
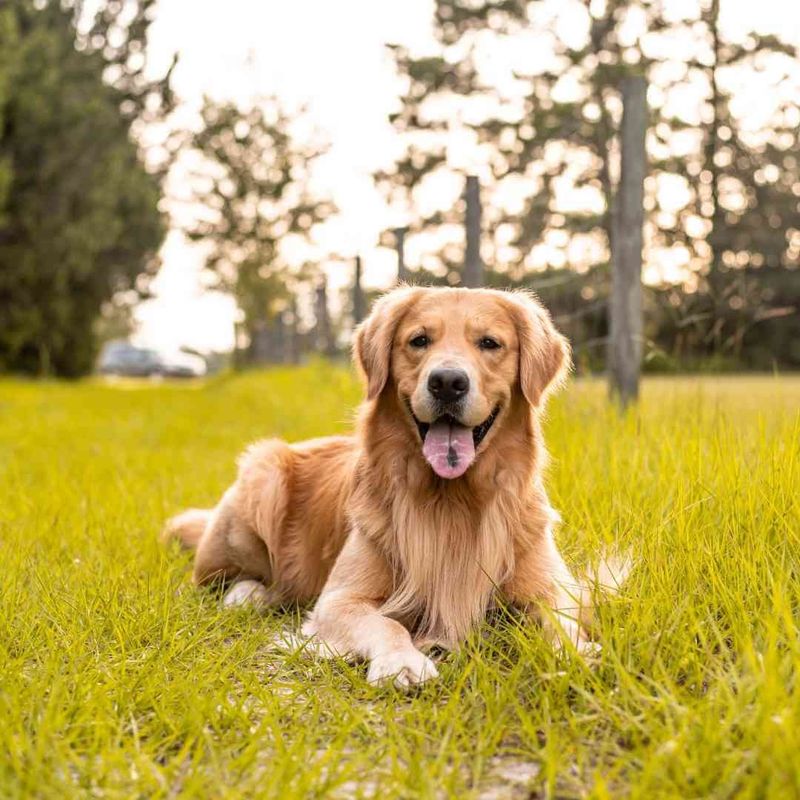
(420, 341)
(487, 343)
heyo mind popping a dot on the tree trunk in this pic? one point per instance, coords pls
(260, 351)
(625, 312)
(358, 294)
(716, 278)
(400, 239)
(292, 339)
(324, 334)
(472, 274)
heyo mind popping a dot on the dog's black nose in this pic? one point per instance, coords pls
(448, 385)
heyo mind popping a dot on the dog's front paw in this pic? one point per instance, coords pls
(406, 668)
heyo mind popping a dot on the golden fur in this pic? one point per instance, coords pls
(398, 557)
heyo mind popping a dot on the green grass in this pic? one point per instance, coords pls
(120, 680)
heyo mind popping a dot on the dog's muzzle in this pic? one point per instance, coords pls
(450, 447)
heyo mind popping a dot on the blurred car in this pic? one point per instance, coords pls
(182, 365)
(123, 358)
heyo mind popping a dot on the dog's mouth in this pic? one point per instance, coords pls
(448, 446)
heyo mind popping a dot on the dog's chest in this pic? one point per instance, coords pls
(447, 561)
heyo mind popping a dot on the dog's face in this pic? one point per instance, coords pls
(456, 358)
(454, 364)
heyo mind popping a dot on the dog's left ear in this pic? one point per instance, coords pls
(372, 345)
(544, 354)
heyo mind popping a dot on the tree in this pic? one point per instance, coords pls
(530, 134)
(119, 32)
(81, 220)
(741, 181)
(253, 185)
(8, 37)
(545, 128)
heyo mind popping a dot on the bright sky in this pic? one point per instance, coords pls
(330, 56)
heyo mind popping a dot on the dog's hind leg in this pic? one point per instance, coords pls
(236, 541)
(251, 594)
(567, 608)
(543, 585)
(231, 550)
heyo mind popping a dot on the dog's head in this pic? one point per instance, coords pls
(457, 359)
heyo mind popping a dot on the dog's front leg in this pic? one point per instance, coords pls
(346, 619)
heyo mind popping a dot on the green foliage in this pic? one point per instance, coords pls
(756, 326)
(8, 49)
(554, 124)
(528, 132)
(744, 183)
(253, 185)
(122, 680)
(81, 219)
(120, 32)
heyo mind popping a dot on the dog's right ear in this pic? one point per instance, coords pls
(372, 345)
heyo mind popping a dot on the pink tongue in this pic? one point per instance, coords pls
(449, 449)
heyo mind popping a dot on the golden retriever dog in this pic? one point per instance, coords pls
(407, 532)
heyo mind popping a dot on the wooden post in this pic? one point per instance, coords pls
(259, 351)
(292, 339)
(400, 241)
(472, 274)
(323, 327)
(281, 343)
(358, 294)
(625, 310)
(237, 354)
